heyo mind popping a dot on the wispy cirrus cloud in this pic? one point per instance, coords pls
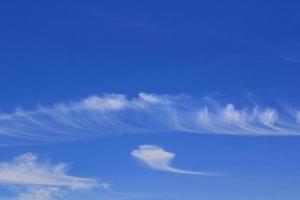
(293, 59)
(158, 159)
(41, 180)
(39, 193)
(27, 170)
(110, 114)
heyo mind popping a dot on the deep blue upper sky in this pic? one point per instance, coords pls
(59, 51)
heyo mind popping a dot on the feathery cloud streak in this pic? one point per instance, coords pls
(159, 159)
(27, 170)
(41, 180)
(115, 114)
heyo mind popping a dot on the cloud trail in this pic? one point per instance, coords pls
(159, 159)
(115, 114)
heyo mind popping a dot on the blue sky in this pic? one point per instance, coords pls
(149, 100)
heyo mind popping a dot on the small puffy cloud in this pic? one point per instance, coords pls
(232, 116)
(269, 117)
(107, 102)
(159, 159)
(203, 116)
(298, 117)
(150, 98)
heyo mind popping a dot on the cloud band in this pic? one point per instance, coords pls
(115, 114)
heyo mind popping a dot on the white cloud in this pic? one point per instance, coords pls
(40, 193)
(27, 170)
(108, 102)
(269, 117)
(151, 98)
(203, 117)
(41, 180)
(115, 114)
(298, 116)
(232, 116)
(105, 185)
(159, 159)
